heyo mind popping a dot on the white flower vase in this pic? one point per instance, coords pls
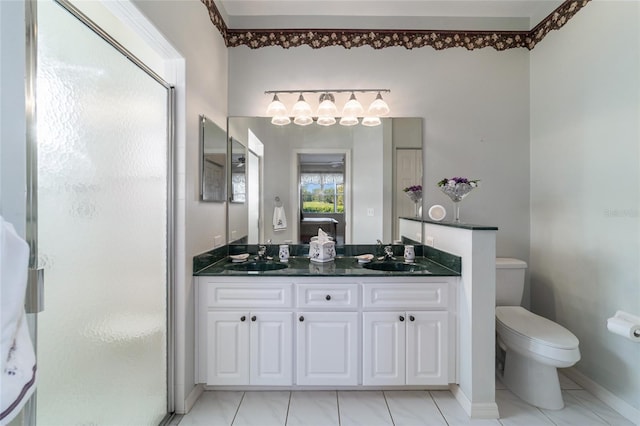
(416, 197)
(457, 193)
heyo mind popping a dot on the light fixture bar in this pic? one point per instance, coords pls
(327, 112)
(269, 92)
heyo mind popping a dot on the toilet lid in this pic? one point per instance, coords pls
(535, 327)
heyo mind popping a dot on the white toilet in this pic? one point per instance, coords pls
(530, 347)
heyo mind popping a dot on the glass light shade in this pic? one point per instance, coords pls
(349, 121)
(276, 107)
(326, 120)
(371, 121)
(280, 120)
(379, 107)
(352, 108)
(327, 108)
(303, 120)
(301, 108)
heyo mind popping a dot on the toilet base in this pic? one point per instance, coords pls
(534, 382)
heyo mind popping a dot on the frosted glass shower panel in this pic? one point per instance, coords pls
(102, 218)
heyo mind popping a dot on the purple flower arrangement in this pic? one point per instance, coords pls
(458, 180)
(414, 192)
(457, 188)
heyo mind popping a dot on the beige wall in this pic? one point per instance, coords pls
(585, 186)
(475, 107)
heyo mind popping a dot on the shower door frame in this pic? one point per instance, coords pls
(35, 296)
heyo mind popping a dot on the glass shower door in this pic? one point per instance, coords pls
(102, 126)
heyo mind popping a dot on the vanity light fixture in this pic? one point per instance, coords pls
(327, 112)
(378, 107)
(352, 108)
(276, 107)
(278, 111)
(371, 121)
(302, 112)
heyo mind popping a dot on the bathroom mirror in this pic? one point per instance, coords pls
(213, 161)
(346, 180)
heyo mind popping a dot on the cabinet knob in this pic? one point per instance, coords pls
(253, 318)
(401, 318)
(412, 318)
(243, 318)
(328, 297)
(301, 318)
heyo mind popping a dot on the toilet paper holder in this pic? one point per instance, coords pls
(626, 325)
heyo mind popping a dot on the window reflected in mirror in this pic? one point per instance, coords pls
(322, 195)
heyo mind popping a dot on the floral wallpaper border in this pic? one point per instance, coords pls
(409, 39)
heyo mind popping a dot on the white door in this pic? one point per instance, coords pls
(228, 348)
(383, 353)
(427, 355)
(327, 348)
(271, 348)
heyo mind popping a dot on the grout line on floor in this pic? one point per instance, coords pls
(384, 395)
(237, 409)
(286, 418)
(338, 405)
(438, 407)
(586, 407)
(545, 414)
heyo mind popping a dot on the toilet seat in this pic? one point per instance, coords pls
(537, 337)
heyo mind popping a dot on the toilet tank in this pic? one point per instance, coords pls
(509, 281)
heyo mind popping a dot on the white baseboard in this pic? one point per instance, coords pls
(475, 410)
(192, 398)
(603, 395)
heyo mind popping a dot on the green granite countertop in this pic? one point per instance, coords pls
(435, 263)
(450, 224)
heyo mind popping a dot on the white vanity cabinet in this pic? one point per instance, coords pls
(250, 346)
(326, 331)
(327, 348)
(407, 336)
(405, 348)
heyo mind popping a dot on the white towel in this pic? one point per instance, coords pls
(279, 219)
(17, 357)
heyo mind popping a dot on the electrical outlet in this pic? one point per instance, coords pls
(217, 241)
(369, 212)
(430, 241)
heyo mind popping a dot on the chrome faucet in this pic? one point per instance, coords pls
(262, 251)
(388, 253)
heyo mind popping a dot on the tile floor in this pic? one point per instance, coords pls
(397, 408)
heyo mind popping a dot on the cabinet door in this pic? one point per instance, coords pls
(383, 348)
(427, 354)
(271, 348)
(227, 348)
(327, 348)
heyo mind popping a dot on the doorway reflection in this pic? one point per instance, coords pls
(321, 179)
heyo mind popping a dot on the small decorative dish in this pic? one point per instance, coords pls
(236, 258)
(364, 258)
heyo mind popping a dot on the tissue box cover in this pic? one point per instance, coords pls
(322, 252)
